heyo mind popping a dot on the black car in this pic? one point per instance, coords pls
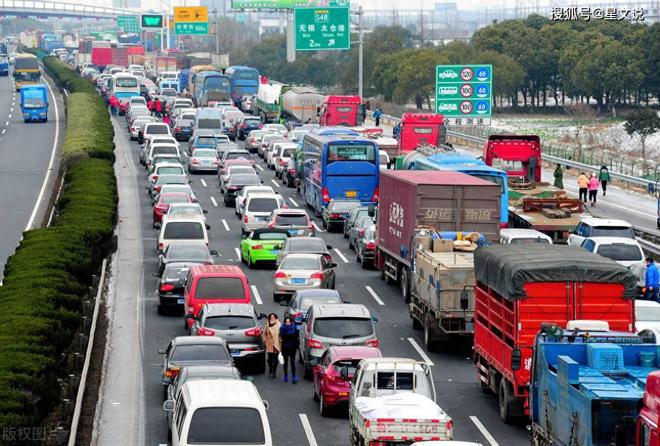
(248, 124)
(186, 252)
(235, 185)
(183, 129)
(352, 217)
(336, 212)
(365, 248)
(170, 286)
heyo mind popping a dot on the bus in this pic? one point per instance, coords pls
(468, 165)
(123, 86)
(338, 163)
(210, 86)
(244, 82)
(26, 70)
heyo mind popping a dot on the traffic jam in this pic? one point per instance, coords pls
(295, 252)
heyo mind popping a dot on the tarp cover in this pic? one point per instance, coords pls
(506, 268)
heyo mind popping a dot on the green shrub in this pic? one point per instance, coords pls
(89, 131)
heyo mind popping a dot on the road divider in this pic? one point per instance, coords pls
(374, 295)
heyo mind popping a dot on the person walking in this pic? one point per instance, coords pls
(377, 114)
(158, 107)
(273, 343)
(652, 280)
(114, 103)
(593, 188)
(150, 106)
(583, 186)
(604, 177)
(289, 336)
(559, 177)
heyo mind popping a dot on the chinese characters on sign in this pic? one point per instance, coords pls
(587, 13)
(286, 4)
(463, 93)
(191, 28)
(191, 20)
(129, 23)
(322, 29)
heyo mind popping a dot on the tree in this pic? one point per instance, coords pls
(416, 76)
(645, 123)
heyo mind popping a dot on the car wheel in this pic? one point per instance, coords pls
(315, 397)
(164, 393)
(345, 234)
(350, 244)
(276, 298)
(323, 410)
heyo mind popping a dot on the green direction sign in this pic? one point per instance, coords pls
(152, 21)
(195, 28)
(322, 29)
(286, 4)
(129, 23)
(463, 93)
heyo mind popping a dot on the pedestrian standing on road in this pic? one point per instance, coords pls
(368, 105)
(377, 114)
(604, 177)
(289, 336)
(273, 343)
(114, 104)
(150, 106)
(583, 186)
(166, 120)
(652, 280)
(158, 106)
(593, 188)
(363, 110)
(559, 177)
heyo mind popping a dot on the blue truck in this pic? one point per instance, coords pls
(34, 102)
(587, 385)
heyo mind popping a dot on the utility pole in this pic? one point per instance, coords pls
(360, 52)
(217, 31)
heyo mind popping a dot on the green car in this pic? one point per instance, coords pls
(262, 245)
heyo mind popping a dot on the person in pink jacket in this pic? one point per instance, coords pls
(593, 188)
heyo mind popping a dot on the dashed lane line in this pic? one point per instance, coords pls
(484, 431)
(311, 440)
(374, 295)
(341, 256)
(260, 168)
(204, 183)
(421, 352)
(238, 254)
(255, 293)
(224, 223)
(275, 183)
(215, 203)
(293, 202)
(317, 227)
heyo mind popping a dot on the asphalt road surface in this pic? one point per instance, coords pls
(294, 416)
(26, 158)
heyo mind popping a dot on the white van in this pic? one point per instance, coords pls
(257, 209)
(516, 236)
(182, 228)
(219, 412)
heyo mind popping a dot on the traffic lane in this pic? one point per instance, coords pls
(25, 152)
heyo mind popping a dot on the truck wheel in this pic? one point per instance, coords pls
(505, 401)
(430, 343)
(405, 285)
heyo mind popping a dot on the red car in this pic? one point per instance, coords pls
(330, 389)
(163, 204)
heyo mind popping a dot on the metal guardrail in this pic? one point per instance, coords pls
(32, 7)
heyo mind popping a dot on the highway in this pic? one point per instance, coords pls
(27, 162)
(131, 396)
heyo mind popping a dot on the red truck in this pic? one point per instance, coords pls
(420, 129)
(520, 287)
(340, 110)
(517, 155)
(442, 200)
(648, 432)
(102, 56)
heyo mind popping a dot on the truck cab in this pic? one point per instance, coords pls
(648, 433)
(517, 155)
(339, 110)
(34, 102)
(420, 129)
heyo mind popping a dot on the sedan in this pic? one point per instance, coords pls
(336, 211)
(227, 172)
(365, 248)
(155, 187)
(237, 182)
(163, 204)
(139, 124)
(305, 245)
(262, 245)
(302, 271)
(303, 299)
(183, 129)
(186, 252)
(352, 217)
(253, 140)
(164, 159)
(202, 142)
(185, 351)
(177, 188)
(240, 198)
(174, 168)
(358, 230)
(203, 160)
(171, 283)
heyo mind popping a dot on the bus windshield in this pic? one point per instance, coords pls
(29, 76)
(33, 103)
(217, 82)
(126, 82)
(351, 152)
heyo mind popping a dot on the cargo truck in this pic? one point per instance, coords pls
(268, 101)
(340, 110)
(392, 402)
(421, 129)
(300, 105)
(34, 103)
(588, 385)
(439, 200)
(520, 287)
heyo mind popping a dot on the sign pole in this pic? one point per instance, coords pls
(217, 34)
(290, 38)
(360, 53)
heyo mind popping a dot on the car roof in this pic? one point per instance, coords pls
(219, 270)
(197, 340)
(227, 309)
(317, 292)
(168, 164)
(646, 303)
(290, 211)
(526, 232)
(223, 392)
(610, 240)
(210, 371)
(592, 221)
(258, 232)
(339, 352)
(339, 310)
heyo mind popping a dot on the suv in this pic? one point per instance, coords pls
(327, 325)
(624, 251)
(153, 128)
(240, 326)
(600, 227)
(296, 221)
(246, 125)
(213, 284)
(257, 210)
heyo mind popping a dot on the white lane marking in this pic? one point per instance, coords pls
(293, 202)
(203, 183)
(9, 116)
(238, 253)
(317, 227)
(255, 293)
(7, 123)
(3, 131)
(484, 431)
(224, 223)
(50, 163)
(374, 295)
(341, 256)
(275, 183)
(308, 430)
(11, 109)
(260, 168)
(215, 203)
(421, 352)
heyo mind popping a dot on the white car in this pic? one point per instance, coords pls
(284, 152)
(515, 236)
(624, 251)
(245, 192)
(257, 210)
(279, 128)
(600, 227)
(192, 210)
(234, 170)
(647, 320)
(383, 160)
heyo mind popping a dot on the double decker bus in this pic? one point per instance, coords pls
(26, 70)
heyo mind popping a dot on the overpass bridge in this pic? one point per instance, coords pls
(33, 8)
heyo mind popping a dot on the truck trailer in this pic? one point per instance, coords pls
(34, 103)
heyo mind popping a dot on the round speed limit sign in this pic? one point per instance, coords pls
(467, 90)
(466, 107)
(467, 74)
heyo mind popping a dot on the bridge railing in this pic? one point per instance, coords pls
(55, 7)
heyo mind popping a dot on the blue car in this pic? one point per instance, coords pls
(248, 124)
(303, 299)
(206, 140)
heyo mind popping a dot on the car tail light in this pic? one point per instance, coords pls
(325, 195)
(370, 245)
(194, 161)
(232, 187)
(205, 332)
(372, 343)
(251, 140)
(157, 187)
(361, 232)
(449, 427)
(166, 288)
(298, 315)
(335, 215)
(172, 373)
(161, 246)
(376, 195)
(258, 247)
(253, 332)
(311, 343)
(245, 219)
(177, 129)
(154, 178)
(317, 275)
(504, 225)
(280, 275)
(216, 162)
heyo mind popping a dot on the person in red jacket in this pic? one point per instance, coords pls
(150, 106)
(158, 107)
(114, 104)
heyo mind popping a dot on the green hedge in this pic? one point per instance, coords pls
(48, 277)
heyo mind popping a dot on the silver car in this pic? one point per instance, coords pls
(203, 160)
(302, 271)
(296, 221)
(257, 210)
(305, 245)
(327, 325)
(239, 325)
(236, 169)
(247, 191)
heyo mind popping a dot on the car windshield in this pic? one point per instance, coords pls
(229, 322)
(174, 170)
(620, 252)
(234, 170)
(176, 252)
(204, 153)
(183, 230)
(244, 180)
(351, 152)
(647, 314)
(291, 220)
(364, 222)
(360, 213)
(158, 130)
(307, 244)
(174, 198)
(174, 273)
(171, 179)
(343, 327)
(612, 231)
(342, 206)
(272, 236)
(220, 287)
(183, 123)
(288, 153)
(206, 141)
(528, 240)
(309, 301)
(252, 121)
(350, 364)
(262, 204)
(33, 103)
(304, 263)
(237, 156)
(165, 150)
(192, 209)
(126, 82)
(199, 352)
(209, 123)
(226, 425)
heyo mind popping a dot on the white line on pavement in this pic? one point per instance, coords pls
(215, 203)
(255, 293)
(238, 253)
(11, 109)
(9, 116)
(484, 431)
(203, 183)
(260, 168)
(224, 223)
(374, 295)
(341, 256)
(293, 202)
(317, 227)
(421, 352)
(7, 123)
(3, 131)
(275, 183)
(308, 430)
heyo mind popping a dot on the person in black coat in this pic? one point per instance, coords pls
(290, 337)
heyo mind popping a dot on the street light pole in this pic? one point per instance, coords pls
(360, 53)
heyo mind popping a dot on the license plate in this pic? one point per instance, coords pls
(207, 163)
(275, 251)
(351, 194)
(294, 231)
(298, 281)
(262, 218)
(235, 353)
(179, 301)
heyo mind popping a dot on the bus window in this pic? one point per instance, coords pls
(351, 152)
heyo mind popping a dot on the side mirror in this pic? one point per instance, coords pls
(372, 211)
(343, 372)
(189, 181)
(214, 252)
(328, 247)
(204, 211)
(516, 359)
(333, 265)
(168, 405)
(374, 318)
(284, 303)
(263, 315)
(465, 302)
(266, 405)
(161, 351)
(208, 226)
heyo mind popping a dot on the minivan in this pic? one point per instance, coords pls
(182, 229)
(219, 412)
(213, 284)
(257, 210)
